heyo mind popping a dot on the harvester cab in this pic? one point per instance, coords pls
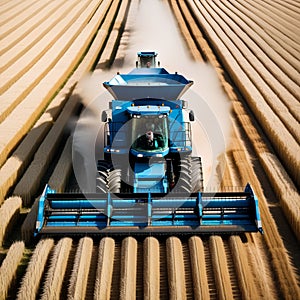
(147, 59)
(148, 182)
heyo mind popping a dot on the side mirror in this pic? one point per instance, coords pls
(191, 116)
(104, 116)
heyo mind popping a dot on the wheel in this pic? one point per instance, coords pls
(188, 175)
(108, 179)
(183, 176)
(197, 178)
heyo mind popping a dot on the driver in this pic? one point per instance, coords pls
(150, 138)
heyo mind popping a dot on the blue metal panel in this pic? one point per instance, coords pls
(148, 110)
(137, 86)
(223, 211)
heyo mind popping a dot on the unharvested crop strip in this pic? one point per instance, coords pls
(277, 175)
(276, 20)
(220, 268)
(8, 6)
(198, 264)
(246, 283)
(31, 281)
(288, 53)
(259, 262)
(39, 166)
(276, 52)
(128, 269)
(284, 271)
(151, 269)
(104, 269)
(106, 33)
(18, 16)
(256, 72)
(79, 276)
(290, 11)
(279, 36)
(8, 268)
(56, 271)
(9, 212)
(235, 287)
(20, 79)
(115, 34)
(28, 34)
(176, 273)
(279, 136)
(275, 70)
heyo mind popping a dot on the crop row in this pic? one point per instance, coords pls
(268, 104)
(239, 160)
(206, 16)
(46, 274)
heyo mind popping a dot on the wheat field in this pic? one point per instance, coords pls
(48, 47)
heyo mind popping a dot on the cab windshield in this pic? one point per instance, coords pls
(147, 62)
(149, 133)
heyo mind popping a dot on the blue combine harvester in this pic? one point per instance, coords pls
(148, 181)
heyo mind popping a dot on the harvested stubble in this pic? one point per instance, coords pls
(104, 269)
(176, 273)
(9, 267)
(128, 269)
(63, 169)
(243, 271)
(31, 281)
(151, 268)
(220, 268)
(201, 289)
(57, 269)
(80, 272)
(9, 213)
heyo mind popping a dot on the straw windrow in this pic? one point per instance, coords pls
(8, 269)
(31, 281)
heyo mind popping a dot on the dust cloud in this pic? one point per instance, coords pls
(151, 27)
